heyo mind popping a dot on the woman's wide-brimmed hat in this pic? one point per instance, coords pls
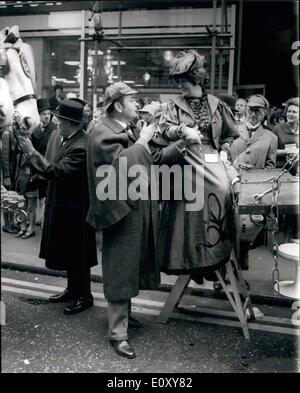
(70, 110)
(186, 61)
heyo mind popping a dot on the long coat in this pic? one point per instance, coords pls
(197, 242)
(67, 239)
(129, 260)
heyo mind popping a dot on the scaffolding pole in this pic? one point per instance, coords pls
(82, 57)
(213, 50)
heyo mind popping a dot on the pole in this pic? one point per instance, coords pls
(240, 32)
(120, 33)
(213, 51)
(82, 84)
(231, 54)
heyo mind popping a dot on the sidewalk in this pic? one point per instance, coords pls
(21, 254)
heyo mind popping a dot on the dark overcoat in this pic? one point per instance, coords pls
(129, 260)
(67, 239)
(41, 138)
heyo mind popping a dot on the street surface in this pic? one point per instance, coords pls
(39, 338)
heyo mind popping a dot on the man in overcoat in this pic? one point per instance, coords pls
(68, 241)
(129, 261)
(40, 136)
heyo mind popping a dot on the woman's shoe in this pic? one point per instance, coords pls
(28, 234)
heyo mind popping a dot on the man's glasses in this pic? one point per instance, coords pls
(255, 109)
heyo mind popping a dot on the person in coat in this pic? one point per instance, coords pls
(68, 241)
(256, 147)
(129, 260)
(40, 138)
(200, 241)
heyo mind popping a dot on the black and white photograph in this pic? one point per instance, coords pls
(150, 190)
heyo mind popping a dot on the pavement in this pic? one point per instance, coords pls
(22, 254)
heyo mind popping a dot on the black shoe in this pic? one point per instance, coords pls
(134, 323)
(122, 348)
(64, 296)
(79, 305)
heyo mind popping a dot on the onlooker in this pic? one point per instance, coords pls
(40, 138)
(9, 154)
(277, 117)
(288, 133)
(255, 148)
(68, 241)
(240, 114)
(288, 144)
(58, 96)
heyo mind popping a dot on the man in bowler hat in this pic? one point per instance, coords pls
(68, 241)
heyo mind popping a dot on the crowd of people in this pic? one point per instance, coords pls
(57, 168)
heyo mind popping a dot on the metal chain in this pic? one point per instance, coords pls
(274, 217)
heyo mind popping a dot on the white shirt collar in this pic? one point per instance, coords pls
(124, 125)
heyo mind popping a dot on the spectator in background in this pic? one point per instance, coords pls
(40, 138)
(8, 165)
(240, 114)
(255, 148)
(41, 135)
(71, 95)
(277, 117)
(58, 96)
(288, 133)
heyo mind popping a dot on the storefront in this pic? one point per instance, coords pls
(136, 45)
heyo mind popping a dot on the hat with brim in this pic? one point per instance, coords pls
(69, 110)
(42, 105)
(257, 100)
(184, 62)
(79, 100)
(115, 91)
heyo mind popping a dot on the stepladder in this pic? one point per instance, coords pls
(235, 288)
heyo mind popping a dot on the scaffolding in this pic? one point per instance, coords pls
(217, 36)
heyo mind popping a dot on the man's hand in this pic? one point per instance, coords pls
(190, 135)
(147, 132)
(25, 144)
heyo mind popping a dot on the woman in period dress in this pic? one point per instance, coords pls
(198, 242)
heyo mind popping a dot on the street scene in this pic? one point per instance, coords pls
(150, 189)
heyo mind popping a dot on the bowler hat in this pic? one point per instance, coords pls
(42, 105)
(70, 110)
(79, 100)
(115, 91)
(259, 101)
